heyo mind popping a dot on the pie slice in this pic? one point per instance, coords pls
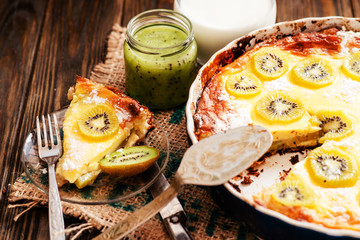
(98, 121)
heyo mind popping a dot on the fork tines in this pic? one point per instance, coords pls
(42, 136)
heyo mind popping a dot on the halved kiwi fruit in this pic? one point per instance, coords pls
(99, 121)
(279, 107)
(270, 63)
(332, 167)
(243, 84)
(351, 66)
(293, 193)
(129, 161)
(314, 72)
(335, 124)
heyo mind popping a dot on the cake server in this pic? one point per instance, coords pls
(212, 161)
(173, 214)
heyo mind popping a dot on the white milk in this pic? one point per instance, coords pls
(218, 22)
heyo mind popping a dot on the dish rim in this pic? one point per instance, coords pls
(196, 88)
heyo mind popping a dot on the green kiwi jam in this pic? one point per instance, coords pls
(160, 63)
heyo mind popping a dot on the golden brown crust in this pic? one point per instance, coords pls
(305, 44)
(116, 98)
(334, 220)
(211, 106)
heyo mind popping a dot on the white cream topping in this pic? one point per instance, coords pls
(94, 98)
(224, 97)
(347, 91)
(122, 115)
(347, 35)
(241, 118)
(346, 142)
(69, 165)
(281, 83)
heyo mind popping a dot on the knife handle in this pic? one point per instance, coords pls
(176, 226)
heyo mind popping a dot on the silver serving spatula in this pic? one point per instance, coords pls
(212, 161)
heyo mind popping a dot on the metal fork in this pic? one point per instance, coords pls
(50, 151)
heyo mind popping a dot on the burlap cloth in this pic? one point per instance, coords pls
(206, 219)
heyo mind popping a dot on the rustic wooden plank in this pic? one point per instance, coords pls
(73, 40)
(20, 26)
(355, 6)
(44, 45)
(343, 8)
(135, 7)
(292, 10)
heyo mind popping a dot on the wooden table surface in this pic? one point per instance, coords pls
(44, 44)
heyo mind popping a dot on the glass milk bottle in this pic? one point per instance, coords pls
(218, 22)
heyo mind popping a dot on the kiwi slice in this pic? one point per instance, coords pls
(332, 167)
(129, 161)
(270, 63)
(243, 85)
(279, 107)
(293, 193)
(351, 66)
(99, 121)
(335, 124)
(313, 72)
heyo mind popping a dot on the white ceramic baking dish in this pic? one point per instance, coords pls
(264, 222)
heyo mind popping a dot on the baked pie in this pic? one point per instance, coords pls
(306, 90)
(98, 121)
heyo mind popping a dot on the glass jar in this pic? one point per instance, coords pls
(160, 58)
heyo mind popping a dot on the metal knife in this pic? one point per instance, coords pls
(173, 214)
